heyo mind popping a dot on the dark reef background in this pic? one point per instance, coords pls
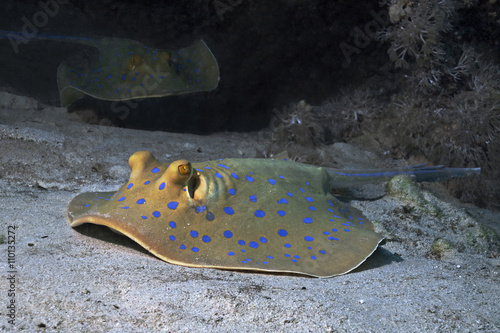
(421, 77)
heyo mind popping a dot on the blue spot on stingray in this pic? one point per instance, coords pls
(333, 238)
(172, 237)
(309, 248)
(230, 253)
(296, 257)
(337, 216)
(282, 232)
(232, 191)
(121, 199)
(210, 216)
(326, 232)
(141, 201)
(282, 201)
(130, 186)
(235, 176)
(307, 220)
(162, 186)
(290, 194)
(195, 249)
(334, 230)
(218, 175)
(265, 262)
(126, 207)
(173, 204)
(144, 217)
(155, 170)
(312, 208)
(250, 179)
(263, 240)
(293, 260)
(200, 170)
(301, 190)
(272, 181)
(287, 245)
(260, 213)
(228, 234)
(123, 77)
(309, 199)
(228, 210)
(270, 257)
(206, 239)
(347, 230)
(330, 210)
(223, 166)
(253, 198)
(147, 182)
(330, 203)
(182, 247)
(287, 255)
(281, 212)
(172, 224)
(208, 168)
(109, 76)
(243, 250)
(241, 242)
(253, 245)
(322, 251)
(281, 177)
(308, 239)
(86, 205)
(156, 214)
(193, 233)
(313, 257)
(200, 209)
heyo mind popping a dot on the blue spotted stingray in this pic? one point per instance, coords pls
(242, 214)
(125, 69)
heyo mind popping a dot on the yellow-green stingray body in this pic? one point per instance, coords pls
(242, 214)
(126, 69)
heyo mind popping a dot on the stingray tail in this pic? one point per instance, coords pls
(422, 173)
(23, 37)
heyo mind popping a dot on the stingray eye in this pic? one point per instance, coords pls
(163, 61)
(134, 61)
(185, 169)
(164, 57)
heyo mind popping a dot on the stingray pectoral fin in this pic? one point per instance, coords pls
(94, 208)
(81, 210)
(83, 203)
(67, 93)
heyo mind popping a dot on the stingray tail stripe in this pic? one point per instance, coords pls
(421, 173)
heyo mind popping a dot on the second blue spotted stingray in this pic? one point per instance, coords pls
(243, 214)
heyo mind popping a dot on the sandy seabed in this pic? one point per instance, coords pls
(91, 279)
